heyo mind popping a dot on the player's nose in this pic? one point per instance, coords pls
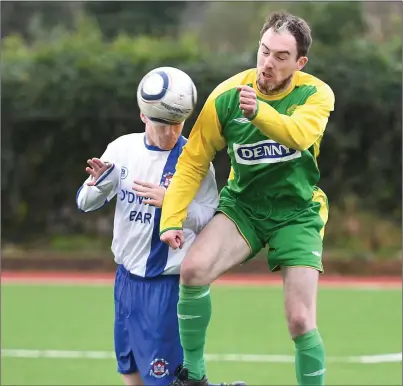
(269, 63)
(170, 131)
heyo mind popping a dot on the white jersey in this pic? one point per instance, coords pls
(136, 242)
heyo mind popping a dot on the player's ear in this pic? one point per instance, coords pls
(301, 62)
(143, 118)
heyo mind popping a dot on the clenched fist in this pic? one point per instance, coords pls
(247, 101)
(174, 238)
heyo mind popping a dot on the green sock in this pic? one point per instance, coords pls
(194, 313)
(310, 359)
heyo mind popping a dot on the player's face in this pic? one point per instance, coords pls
(277, 61)
(162, 135)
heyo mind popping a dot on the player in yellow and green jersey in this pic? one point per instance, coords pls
(272, 119)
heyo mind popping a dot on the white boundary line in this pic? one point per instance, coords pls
(246, 358)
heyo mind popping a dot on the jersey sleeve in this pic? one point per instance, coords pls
(202, 208)
(301, 130)
(193, 164)
(90, 198)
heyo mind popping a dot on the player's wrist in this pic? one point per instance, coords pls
(256, 112)
(170, 229)
(104, 176)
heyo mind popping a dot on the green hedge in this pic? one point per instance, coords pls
(66, 97)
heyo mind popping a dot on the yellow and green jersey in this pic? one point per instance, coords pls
(273, 155)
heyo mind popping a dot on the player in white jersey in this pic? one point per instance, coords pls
(137, 168)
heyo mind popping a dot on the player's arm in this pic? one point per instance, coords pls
(301, 130)
(202, 208)
(193, 164)
(95, 193)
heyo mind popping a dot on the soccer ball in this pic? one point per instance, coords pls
(167, 95)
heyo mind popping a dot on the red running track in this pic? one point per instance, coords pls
(47, 277)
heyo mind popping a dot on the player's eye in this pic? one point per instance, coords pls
(280, 58)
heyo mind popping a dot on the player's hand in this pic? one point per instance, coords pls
(174, 238)
(153, 194)
(96, 169)
(247, 101)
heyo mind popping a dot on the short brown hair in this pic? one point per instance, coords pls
(297, 27)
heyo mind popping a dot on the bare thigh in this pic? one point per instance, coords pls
(133, 379)
(217, 248)
(300, 293)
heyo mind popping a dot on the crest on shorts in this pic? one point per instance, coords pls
(159, 368)
(166, 179)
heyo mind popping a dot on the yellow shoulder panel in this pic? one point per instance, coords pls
(244, 77)
(310, 80)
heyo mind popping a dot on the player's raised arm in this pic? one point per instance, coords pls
(298, 131)
(102, 183)
(204, 141)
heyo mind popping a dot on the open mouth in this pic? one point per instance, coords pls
(267, 75)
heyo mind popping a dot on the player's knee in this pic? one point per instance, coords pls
(194, 273)
(299, 321)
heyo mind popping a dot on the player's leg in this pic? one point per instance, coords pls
(132, 379)
(228, 240)
(296, 248)
(300, 289)
(219, 247)
(153, 328)
(125, 359)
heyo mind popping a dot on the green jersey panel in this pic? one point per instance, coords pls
(264, 169)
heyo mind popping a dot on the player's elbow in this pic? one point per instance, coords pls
(82, 202)
(302, 142)
(303, 145)
(192, 165)
(196, 170)
(79, 200)
(299, 145)
(86, 207)
(82, 207)
(301, 136)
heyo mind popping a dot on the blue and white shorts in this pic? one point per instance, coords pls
(146, 326)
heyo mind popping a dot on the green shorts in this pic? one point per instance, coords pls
(293, 234)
